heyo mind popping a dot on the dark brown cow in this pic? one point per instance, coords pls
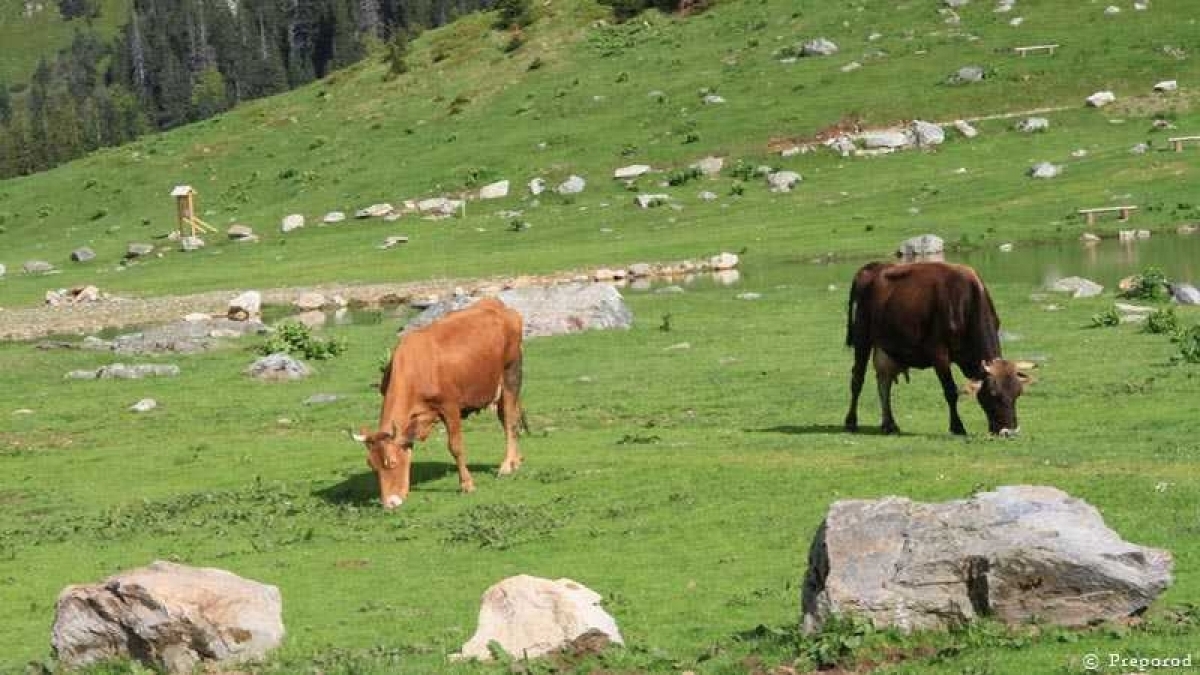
(930, 314)
(460, 364)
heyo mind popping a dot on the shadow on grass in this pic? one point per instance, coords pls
(363, 488)
(817, 429)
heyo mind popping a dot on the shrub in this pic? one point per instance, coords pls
(512, 14)
(1108, 318)
(1162, 321)
(1188, 340)
(1151, 284)
(742, 171)
(683, 176)
(293, 337)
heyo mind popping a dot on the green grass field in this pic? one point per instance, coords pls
(683, 484)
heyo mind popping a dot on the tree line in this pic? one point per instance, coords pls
(179, 61)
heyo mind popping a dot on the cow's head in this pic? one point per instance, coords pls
(1003, 382)
(390, 457)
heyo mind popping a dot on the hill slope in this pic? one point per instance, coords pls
(32, 29)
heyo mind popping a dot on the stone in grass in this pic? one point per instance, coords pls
(83, 254)
(1018, 554)
(278, 366)
(144, 405)
(168, 617)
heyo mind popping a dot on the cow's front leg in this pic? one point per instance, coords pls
(885, 374)
(857, 375)
(453, 421)
(950, 391)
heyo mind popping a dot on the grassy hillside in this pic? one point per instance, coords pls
(469, 113)
(682, 483)
(30, 30)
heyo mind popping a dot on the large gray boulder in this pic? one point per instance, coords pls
(548, 310)
(169, 617)
(1021, 553)
(1185, 294)
(927, 133)
(531, 616)
(1078, 287)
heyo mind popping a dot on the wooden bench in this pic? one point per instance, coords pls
(1178, 141)
(1091, 213)
(1035, 48)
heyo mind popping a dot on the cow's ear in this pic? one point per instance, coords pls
(970, 388)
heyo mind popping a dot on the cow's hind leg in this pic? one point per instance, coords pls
(510, 414)
(453, 420)
(950, 391)
(886, 371)
(857, 375)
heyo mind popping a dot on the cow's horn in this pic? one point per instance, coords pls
(359, 438)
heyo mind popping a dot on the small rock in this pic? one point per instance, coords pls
(1080, 153)
(196, 317)
(1045, 170)
(1088, 238)
(1111, 10)
(83, 254)
(679, 346)
(294, 221)
(191, 244)
(850, 67)
(966, 75)
(1006, 248)
(712, 99)
(1016, 21)
(37, 267)
(890, 139)
(374, 211)
(666, 290)
(392, 241)
(571, 186)
(639, 270)
(843, 145)
(603, 274)
(245, 306)
(965, 129)
(1188, 228)
(1033, 124)
(318, 399)
(1166, 86)
(819, 47)
(927, 133)
(783, 181)
(793, 151)
(921, 246)
(650, 201)
(496, 190)
(1101, 99)
(1126, 235)
(239, 232)
(749, 296)
(1078, 287)
(278, 366)
(631, 171)
(709, 166)
(707, 196)
(537, 186)
(331, 218)
(1185, 294)
(144, 405)
(1139, 149)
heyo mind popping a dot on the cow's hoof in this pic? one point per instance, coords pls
(958, 431)
(890, 429)
(467, 488)
(852, 427)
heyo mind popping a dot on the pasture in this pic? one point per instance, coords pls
(683, 484)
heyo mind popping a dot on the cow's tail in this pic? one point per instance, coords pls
(513, 376)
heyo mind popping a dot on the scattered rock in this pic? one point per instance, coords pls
(1188, 228)
(240, 232)
(83, 254)
(819, 47)
(1045, 170)
(191, 244)
(332, 218)
(549, 310)
(966, 129)
(1079, 154)
(530, 617)
(631, 171)
(180, 337)
(1018, 554)
(707, 196)
(571, 186)
(37, 267)
(245, 306)
(891, 139)
(1111, 10)
(639, 270)
(319, 399)
(850, 67)
(724, 261)
(955, 4)
(72, 296)
(278, 366)
(966, 75)
(1006, 248)
(1101, 99)
(1089, 238)
(1140, 149)
(496, 190)
(439, 206)
(1078, 287)
(749, 296)
(1185, 294)
(1031, 125)
(843, 145)
(679, 346)
(921, 246)
(374, 211)
(309, 300)
(392, 241)
(712, 99)
(709, 166)
(783, 181)
(927, 134)
(144, 405)
(726, 277)
(537, 186)
(168, 617)
(651, 201)
(670, 289)
(3, 270)
(120, 371)
(1166, 86)
(604, 274)
(293, 222)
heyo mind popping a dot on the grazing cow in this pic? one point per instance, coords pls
(918, 315)
(458, 365)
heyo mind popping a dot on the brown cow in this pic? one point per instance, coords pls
(918, 315)
(458, 365)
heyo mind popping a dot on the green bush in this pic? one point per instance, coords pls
(293, 337)
(1108, 318)
(1162, 322)
(1188, 340)
(683, 176)
(1151, 284)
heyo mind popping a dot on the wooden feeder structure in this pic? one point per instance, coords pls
(185, 202)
